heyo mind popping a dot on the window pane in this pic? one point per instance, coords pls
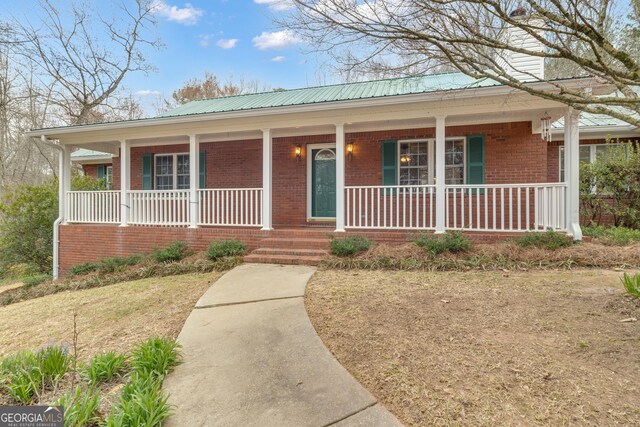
(414, 163)
(454, 175)
(585, 154)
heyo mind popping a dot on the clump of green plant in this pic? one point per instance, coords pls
(104, 367)
(451, 241)
(174, 252)
(35, 280)
(549, 240)
(84, 268)
(117, 263)
(80, 407)
(618, 236)
(53, 362)
(632, 284)
(142, 403)
(225, 248)
(21, 377)
(156, 356)
(349, 246)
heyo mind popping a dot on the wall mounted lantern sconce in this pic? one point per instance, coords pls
(298, 152)
(349, 150)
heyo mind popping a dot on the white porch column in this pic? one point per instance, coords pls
(194, 180)
(65, 182)
(267, 154)
(340, 153)
(572, 172)
(440, 175)
(125, 181)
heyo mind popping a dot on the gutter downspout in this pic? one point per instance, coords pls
(58, 221)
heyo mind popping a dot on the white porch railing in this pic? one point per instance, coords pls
(506, 207)
(167, 207)
(100, 207)
(230, 207)
(390, 207)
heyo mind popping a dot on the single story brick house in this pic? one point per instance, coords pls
(279, 170)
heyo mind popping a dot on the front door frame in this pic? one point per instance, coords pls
(309, 151)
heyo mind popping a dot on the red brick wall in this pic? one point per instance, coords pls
(92, 170)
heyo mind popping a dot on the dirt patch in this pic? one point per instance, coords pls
(486, 348)
(495, 256)
(112, 318)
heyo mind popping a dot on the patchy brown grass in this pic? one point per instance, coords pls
(497, 256)
(486, 348)
(112, 318)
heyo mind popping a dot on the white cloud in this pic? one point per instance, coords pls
(277, 59)
(277, 40)
(147, 92)
(187, 15)
(227, 43)
(276, 4)
(205, 40)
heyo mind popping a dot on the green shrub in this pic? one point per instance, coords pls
(349, 246)
(21, 376)
(142, 404)
(84, 268)
(35, 280)
(549, 240)
(104, 367)
(225, 248)
(116, 263)
(80, 407)
(632, 284)
(156, 357)
(619, 236)
(174, 252)
(53, 362)
(451, 241)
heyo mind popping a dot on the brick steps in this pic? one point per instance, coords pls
(291, 250)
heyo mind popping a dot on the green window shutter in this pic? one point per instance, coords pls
(475, 159)
(390, 162)
(203, 169)
(147, 172)
(100, 171)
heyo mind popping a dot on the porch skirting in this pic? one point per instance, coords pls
(81, 243)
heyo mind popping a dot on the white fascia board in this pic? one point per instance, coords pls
(88, 160)
(457, 94)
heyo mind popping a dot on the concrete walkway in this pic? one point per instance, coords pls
(252, 358)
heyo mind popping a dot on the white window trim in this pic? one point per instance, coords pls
(175, 169)
(431, 150)
(592, 154)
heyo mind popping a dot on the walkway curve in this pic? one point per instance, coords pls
(252, 358)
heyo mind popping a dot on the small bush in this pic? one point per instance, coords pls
(35, 280)
(53, 362)
(618, 236)
(225, 248)
(174, 252)
(21, 376)
(349, 246)
(116, 263)
(81, 269)
(549, 240)
(632, 284)
(80, 407)
(104, 367)
(156, 356)
(451, 241)
(142, 403)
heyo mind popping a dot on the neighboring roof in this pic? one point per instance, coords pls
(332, 93)
(84, 154)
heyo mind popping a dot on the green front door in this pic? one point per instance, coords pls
(323, 183)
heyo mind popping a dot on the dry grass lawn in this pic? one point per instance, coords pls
(486, 348)
(114, 317)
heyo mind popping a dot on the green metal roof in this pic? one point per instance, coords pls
(332, 93)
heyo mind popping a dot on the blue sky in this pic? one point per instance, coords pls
(226, 37)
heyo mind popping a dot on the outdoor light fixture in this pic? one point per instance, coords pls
(349, 150)
(298, 152)
(545, 127)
